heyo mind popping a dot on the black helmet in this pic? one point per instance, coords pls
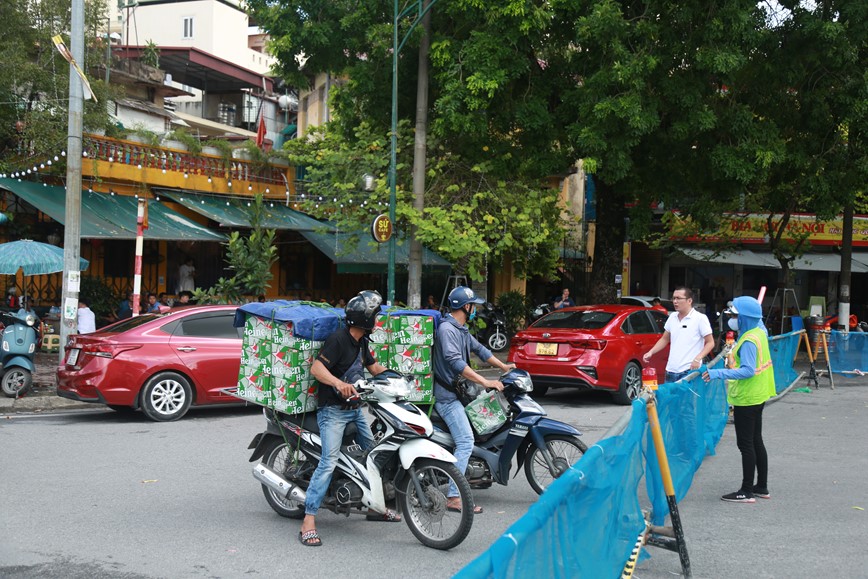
(362, 310)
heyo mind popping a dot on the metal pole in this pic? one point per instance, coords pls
(663, 461)
(72, 229)
(393, 160)
(137, 274)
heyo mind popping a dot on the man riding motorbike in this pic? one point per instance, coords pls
(451, 360)
(339, 364)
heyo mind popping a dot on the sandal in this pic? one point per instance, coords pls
(310, 538)
(389, 516)
(477, 510)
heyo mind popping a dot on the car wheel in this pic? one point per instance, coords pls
(166, 396)
(631, 384)
(16, 382)
(497, 341)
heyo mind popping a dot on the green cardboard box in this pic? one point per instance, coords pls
(410, 358)
(411, 329)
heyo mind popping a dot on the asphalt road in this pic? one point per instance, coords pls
(96, 494)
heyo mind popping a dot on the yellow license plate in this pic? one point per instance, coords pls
(546, 349)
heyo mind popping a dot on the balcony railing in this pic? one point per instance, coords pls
(154, 157)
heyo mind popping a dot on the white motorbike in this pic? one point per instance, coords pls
(403, 464)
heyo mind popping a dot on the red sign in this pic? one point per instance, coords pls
(381, 228)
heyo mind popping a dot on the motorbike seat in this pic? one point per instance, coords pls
(307, 421)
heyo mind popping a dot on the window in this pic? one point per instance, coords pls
(209, 326)
(188, 27)
(638, 323)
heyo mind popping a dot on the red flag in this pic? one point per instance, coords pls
(260, 130)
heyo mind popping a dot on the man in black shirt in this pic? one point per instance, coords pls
(340, 363)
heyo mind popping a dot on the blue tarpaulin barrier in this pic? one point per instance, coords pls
(310, 321)
(586, 523)
(848, 352)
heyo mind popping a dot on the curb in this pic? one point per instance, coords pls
(45, 401)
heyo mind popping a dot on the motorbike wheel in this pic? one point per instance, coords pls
(16, 382)
(436, 527)
(497, 341)
(278, 456)
(166, 396)
(564, 450)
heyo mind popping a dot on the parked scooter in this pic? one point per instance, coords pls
(19, 342)
(540, 311)
(403, 464)
(494, 335)
(546, 447)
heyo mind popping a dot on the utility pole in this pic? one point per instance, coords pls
(846, 269)
(72, 230)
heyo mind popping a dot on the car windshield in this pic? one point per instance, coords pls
(130, 323)
(576, 320)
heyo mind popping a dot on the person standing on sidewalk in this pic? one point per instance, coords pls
(689, 333)
(751, 383)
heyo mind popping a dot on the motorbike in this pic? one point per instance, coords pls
(494, 335)
(546, 447)
(403, 465)
(540, 311)
(19, 342)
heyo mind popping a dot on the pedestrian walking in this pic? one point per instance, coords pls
(752, 383)
(689, 334)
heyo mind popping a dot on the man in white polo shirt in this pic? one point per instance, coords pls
(688, 332)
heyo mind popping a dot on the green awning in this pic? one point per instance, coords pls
(232, 211)
(52, 201)
(105, 216)
(367, 256)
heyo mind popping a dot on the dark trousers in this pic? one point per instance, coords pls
(749, 438)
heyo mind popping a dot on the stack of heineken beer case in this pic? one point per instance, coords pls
(275, 366)
(404, 342)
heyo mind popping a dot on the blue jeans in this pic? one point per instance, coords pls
(676, 376)
(332, 422)
(455, 417)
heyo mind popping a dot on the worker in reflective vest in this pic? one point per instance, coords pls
(751, 382)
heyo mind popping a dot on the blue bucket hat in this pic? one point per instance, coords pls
(747, 307)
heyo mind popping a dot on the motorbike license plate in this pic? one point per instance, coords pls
(72, 359)
(546, 349)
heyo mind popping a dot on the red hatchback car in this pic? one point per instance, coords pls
(598, 347)
(157, 363)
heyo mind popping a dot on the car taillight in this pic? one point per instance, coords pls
(107, 350)
(519, 342)
(588, 344)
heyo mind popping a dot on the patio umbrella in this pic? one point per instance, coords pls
(33, 257)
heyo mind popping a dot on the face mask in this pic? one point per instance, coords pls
(733, 324)
(472, 315)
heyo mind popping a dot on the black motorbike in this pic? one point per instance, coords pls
(492, 332)
(539, 311)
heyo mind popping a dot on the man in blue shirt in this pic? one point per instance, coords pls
(452, 350)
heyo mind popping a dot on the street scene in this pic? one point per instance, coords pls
(92, 493)
(433, 288)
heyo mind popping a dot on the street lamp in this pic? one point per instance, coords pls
(421, 7)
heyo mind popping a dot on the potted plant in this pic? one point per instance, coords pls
(218, 148)
(140, 134)
(187, 141)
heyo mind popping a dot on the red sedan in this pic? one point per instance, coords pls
(598, 347)
(158, 363)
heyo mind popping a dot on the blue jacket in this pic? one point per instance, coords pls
(452, 350)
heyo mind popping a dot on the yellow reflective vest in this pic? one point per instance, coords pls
(761, 386)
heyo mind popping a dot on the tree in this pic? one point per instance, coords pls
(34, 78)
(250, 257)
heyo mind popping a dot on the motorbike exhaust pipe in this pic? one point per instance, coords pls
(278, 484)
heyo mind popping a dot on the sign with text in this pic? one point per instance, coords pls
(381, 228)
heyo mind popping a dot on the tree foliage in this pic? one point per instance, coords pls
(34, 77)
(705, 106)
(250, 257)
